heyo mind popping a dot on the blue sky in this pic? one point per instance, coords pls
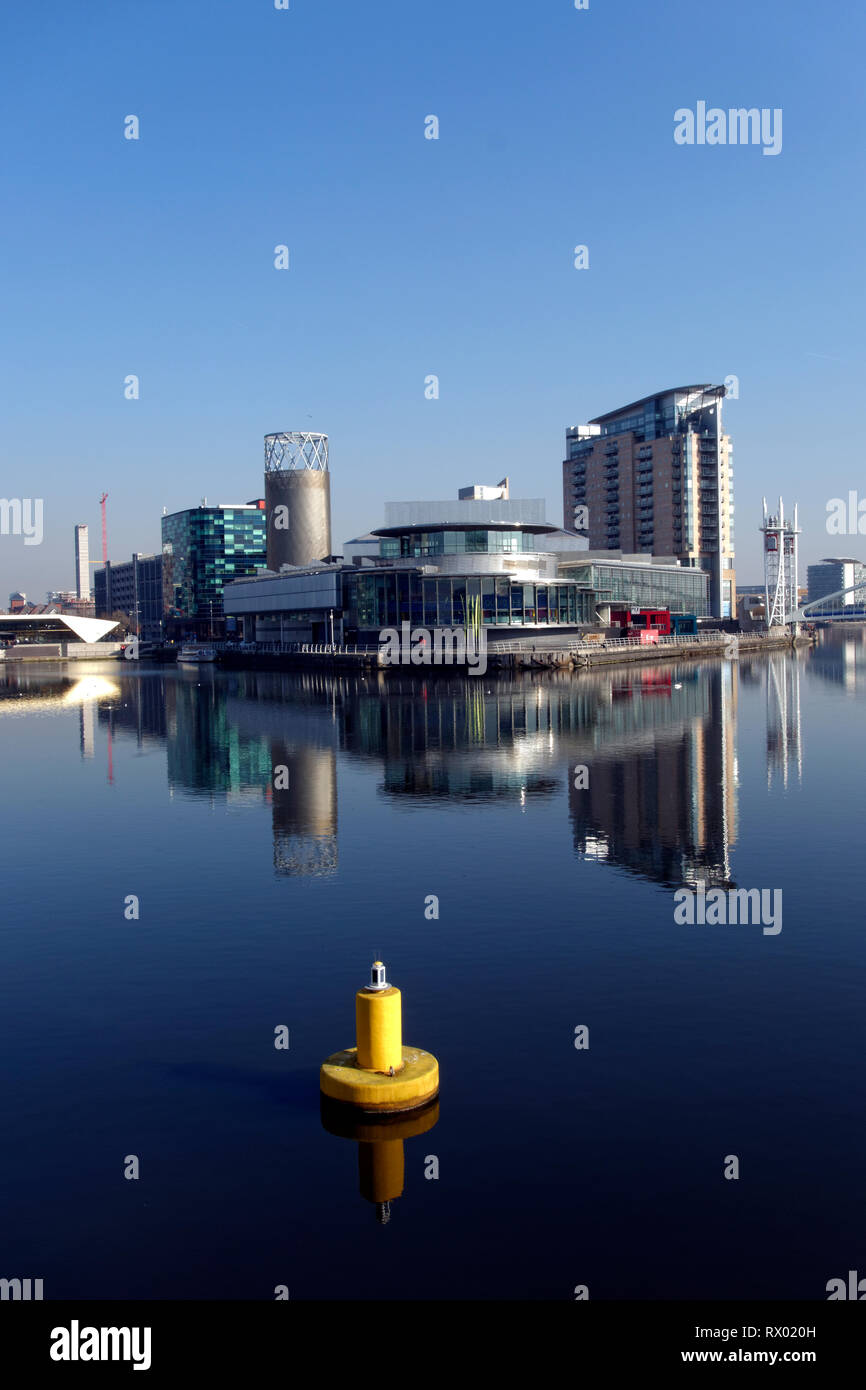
(412, 257)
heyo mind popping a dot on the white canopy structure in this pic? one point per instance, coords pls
(53, 627)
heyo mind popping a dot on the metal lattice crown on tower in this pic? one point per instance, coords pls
(296, 450)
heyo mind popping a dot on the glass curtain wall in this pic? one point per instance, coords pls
(387, 599)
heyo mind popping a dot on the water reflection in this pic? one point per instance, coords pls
(659, 745)
(662, 793)
(380, 1140)
(784, 733)
(841, 657)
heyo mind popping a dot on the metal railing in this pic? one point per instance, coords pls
(311, 648)
(539, 645)
(606, 644)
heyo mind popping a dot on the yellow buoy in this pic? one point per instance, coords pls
(380, 1074)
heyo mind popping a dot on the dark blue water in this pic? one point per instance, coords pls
(261, 907)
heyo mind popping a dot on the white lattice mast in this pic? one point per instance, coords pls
(781, 558)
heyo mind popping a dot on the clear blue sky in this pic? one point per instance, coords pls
(411, 257)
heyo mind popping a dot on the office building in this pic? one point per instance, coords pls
(66, 601)
(656, 477)
(639, 581)
(82, 563)
(203, 549)
(833, 575)
(134, 588)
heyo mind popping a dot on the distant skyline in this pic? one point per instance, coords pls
(412, 257)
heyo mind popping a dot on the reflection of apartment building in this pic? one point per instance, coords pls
(663, 803)
(656, 477)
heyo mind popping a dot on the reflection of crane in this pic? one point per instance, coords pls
(104, 530)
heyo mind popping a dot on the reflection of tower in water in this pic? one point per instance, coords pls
(87, 727)
(784, 742)
(304, 789)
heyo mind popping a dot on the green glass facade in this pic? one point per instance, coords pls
(203, 549)
(386, 598)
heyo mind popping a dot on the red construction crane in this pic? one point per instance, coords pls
(104, 530)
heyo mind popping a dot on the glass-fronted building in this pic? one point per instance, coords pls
(420, 544)
(205, 548)
(676, 587)
(383, 598)
(449, 565)
(437, 573)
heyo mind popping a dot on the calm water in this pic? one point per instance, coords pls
(261, 907)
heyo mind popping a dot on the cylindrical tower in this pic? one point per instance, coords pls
(297, 498)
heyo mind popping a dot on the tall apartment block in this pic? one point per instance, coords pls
(656, 476)
(82, 563)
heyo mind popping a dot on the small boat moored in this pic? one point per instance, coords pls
(192, 652)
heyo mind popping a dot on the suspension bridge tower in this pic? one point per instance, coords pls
(781, 597)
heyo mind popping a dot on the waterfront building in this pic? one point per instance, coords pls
(301, 605)
(656, 476)
(832, 575)
(50, 633)
(82, 563)
(133, 587)
(441, 559)
(640, 581)
(440, 563)
(203, 549)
